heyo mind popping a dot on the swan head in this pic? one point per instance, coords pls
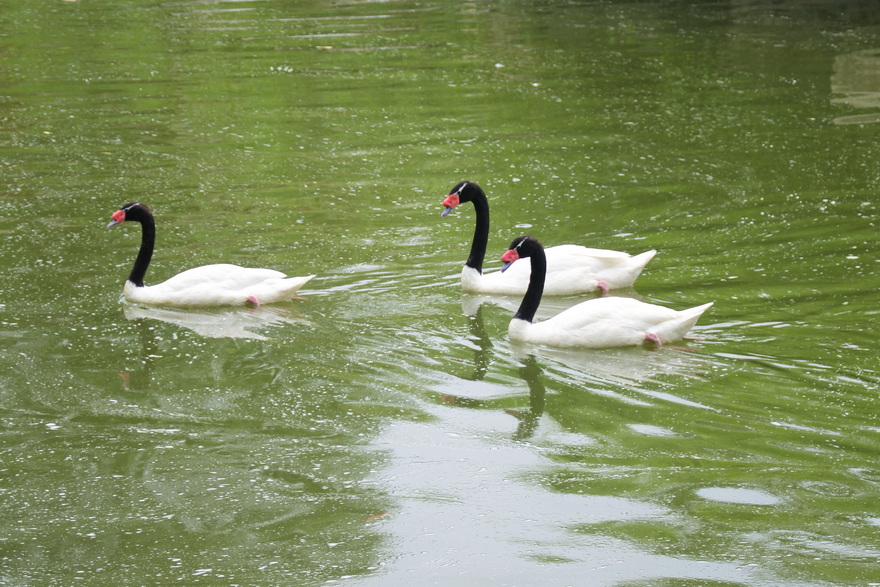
(463, 191)
(522, 246)
(131, 211)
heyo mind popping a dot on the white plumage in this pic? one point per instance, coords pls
(571, 269)
(596, 323)
(217, 285)
(608, 322)
(208, 285)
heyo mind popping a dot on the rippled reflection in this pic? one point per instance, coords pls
(221, 323)
(856, 83)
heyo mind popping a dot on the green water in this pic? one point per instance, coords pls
(385, 431)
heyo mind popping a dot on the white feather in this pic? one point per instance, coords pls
(209, 285)
(597, 323)
(217, 285)
(607, 322)
(571, 269)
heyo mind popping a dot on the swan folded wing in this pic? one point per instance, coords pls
(615, 268)
(578, 251)
(563, 277)
(514, 281)
(571, 269)
(603, 322)
(572, 280)
(217, 285)
(608, 322)
(222, 275)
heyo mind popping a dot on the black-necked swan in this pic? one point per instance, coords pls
(209, 285)
(597, 323)
(571, 269)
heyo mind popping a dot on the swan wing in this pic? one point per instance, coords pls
(217, 285)
(577, 251)
(512, 282)
(571, 269)
(588, 266)
(608, 322)
(221, 274)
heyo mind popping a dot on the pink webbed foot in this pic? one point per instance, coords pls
(653, 339)
(253, 300)
(603, 288)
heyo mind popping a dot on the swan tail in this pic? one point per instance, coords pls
(639, 261)
(297, 282)
(626, 273)
(691, 315)
(676, 329)
(282, 290)
(292, 284)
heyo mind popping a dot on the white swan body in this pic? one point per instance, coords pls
(209, 285)
(596, 323)
(217, 285)
(571, 269)
(608, 322)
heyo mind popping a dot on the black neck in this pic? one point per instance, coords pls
(532, 299)
(481, 232)
(148, 241)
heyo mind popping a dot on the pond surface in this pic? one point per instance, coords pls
(385, 431)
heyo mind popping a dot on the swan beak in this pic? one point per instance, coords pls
(508, 258)
(451, 201)
(118, 217)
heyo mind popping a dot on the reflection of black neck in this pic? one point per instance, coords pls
(481, 231)
(148, 241)
(484, 345)
(531, 374)
(532, 299)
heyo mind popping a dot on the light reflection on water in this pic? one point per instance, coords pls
(448, 479)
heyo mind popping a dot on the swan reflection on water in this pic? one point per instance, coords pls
(624, 365)
(528, 418)
(237, 322)
(530, 372)
(632, 374)
(628, 367)
(550, 306)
